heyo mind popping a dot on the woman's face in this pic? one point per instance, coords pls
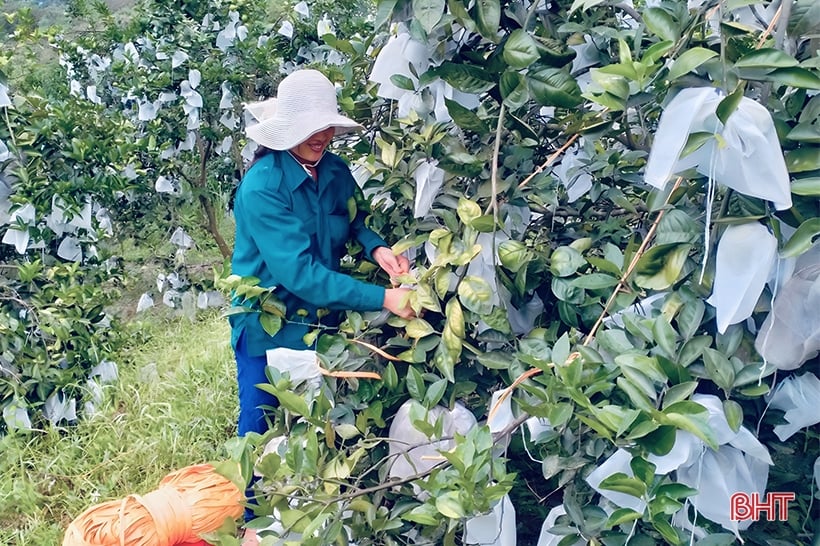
(311, 150)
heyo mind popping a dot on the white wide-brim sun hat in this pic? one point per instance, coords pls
(305, 104)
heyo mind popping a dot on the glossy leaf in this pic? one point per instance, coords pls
(689, 60)
(660, 23)
(415, 383)
(466, 78)
(719, 368)
(428, 12)
(766, 59)
(806, 186)
(465, 118)
(803, 159)
(661, 266)
(622, 483)
(565, 261)
(802, 239)
(513, 87)
(487, 16)
(449, 505)
(520, 49)
(554, 87)
(476, 294)
(794, 77)
(728, 105)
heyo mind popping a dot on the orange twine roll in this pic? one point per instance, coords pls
(189, 502)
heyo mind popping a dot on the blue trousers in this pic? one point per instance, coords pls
(250, 371)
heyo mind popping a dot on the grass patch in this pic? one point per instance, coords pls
(174, 405)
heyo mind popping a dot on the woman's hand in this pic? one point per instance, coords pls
(391, 264)
(396, 300)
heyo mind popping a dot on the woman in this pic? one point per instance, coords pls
(292, 223)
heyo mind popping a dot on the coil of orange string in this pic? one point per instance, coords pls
(188, 502)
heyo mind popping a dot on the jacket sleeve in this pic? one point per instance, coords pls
(359, 231)
(284, 244)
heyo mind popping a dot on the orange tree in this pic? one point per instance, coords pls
(609, 209)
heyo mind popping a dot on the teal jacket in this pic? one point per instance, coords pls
(291, 234)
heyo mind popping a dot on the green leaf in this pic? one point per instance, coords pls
(496, 360)
(805, 18)
(767, 58)
(679, 392)
(692, 349)
(622, 515)
(694, 142)
(643, 470)
(520, 49)
(806, 186)
(656, 51)
(661, 266)
(449, 505)
(466, 78)
(435, 392)
(291, 401)
(728, 105)
(513, 87)
(465, 118)
(468, 210)
(415, 383)
(514, 255)
(719, 369)
(692, 417)
(459, 11)
(384, 12)
(487, 15)
(669, 533)
(622, 483)
(476, 294)
(426, 514)
(390, 376)
(594, 281)
(636, 395)
(805, 132)
(794, 77)
(690, 317)
(734, 414)
(402, 82)
(616, 418)
(565, 261)
(554, 87)
(445, 361)
(665, 336)
(802, 239)
(270, 323)
(418, 328)
(803, 159)
(688, 61)
(658, 441)
(647, 365)
(676, 491)
(428, 13)
(661, 24)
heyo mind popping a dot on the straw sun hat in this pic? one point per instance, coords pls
(305, 104)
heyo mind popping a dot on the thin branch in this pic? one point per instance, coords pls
(494, 171)
(555, 155)
(772, 23)
(632, 264)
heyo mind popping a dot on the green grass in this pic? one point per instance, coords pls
(175, 405)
